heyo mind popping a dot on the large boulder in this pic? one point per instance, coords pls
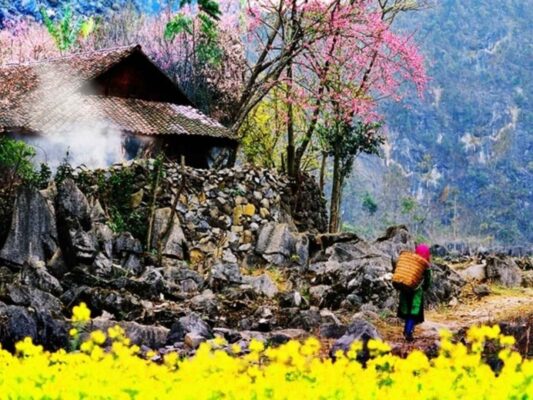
(78, 241)
(128, 250)
(33, 232)
(395, 240)
(279, 245)
(35, 274)
(503, 270)
(358, 271)
(223, 274)
(169, 239)
(28, 296)
(17, 323)
(445, 284)
(474, 272)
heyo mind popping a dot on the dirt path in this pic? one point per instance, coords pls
(487, 310)
(502, 305)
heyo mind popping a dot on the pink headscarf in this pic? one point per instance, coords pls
(423, 251)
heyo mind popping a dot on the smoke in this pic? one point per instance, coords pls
(95, 146)
(71, 125)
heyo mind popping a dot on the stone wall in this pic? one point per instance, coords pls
(220, 213)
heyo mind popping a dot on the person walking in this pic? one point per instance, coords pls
(411, 308)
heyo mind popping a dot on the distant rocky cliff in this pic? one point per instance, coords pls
(464, 150)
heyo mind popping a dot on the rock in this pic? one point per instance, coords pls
(34, 274)
(183, 279)
(98, 213)
(229, 257)
(230, 335)
(322, 241)
(395, 240)
(102, 266)
(481, 290)
(132, 263)
(74, 223)
(291, 299)
(356, 268)
(306, 319)
(154, 337)
(18, 323)
(527, 279)
(438, 251)
(7, 277)
(104, 237)
(83, 245)
(120, 303)
(327, 316)
(446, 284)
(72, 205)
(205, 303)
(153, 279)
(503, 270)
(476, 272)
(128, 250)
(191, 323)
(193, 340)
(56, 265)
(262, 284)
(358, 331)
(223, 274)
(285, 335)
(276, 244)
(52, 333)
(40, 301)
(331, 331)
(173, 243)
(301, 251)
(33, 232)
(318, 293)
(125, 243)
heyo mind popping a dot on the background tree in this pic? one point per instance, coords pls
(68, 29)
(345, 142)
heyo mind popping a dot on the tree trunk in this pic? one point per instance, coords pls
(323, 165)
(336, 190)
(290, 125)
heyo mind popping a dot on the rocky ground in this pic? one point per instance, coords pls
(242, 264)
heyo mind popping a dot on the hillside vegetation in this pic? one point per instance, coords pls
(459, 162)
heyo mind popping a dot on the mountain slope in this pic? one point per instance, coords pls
(466, 149)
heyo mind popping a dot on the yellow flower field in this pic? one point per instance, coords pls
(292, 371)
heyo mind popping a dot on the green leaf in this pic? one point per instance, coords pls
(179, 24)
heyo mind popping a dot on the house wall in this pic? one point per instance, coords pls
(199, 152)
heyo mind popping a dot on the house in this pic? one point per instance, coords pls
(119, 94)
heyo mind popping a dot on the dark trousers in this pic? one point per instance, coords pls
(409, 326)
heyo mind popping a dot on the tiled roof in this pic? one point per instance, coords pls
(45, 97)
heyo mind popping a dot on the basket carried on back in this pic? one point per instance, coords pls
(409, 271)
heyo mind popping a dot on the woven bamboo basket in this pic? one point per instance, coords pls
(409, 271)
